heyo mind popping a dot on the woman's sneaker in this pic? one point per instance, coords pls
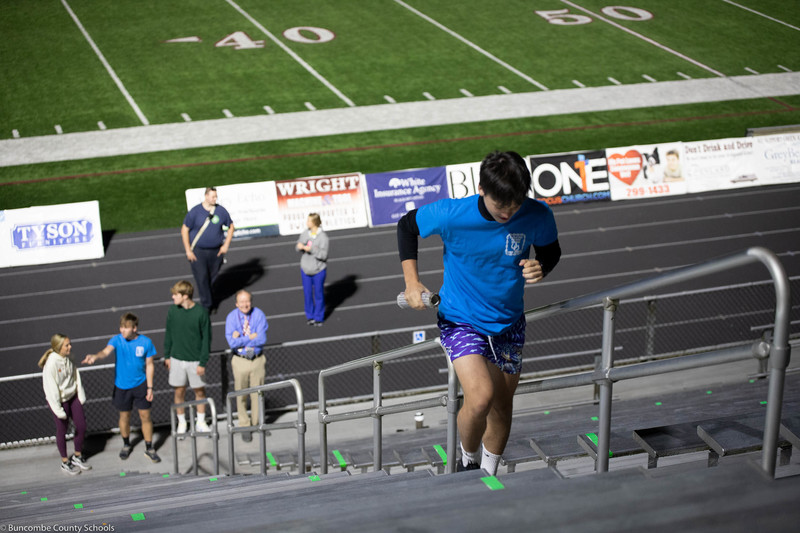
(79, 461)
(70, 469)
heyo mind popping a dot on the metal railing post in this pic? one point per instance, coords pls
(193, 432)
(263, 427)
(229, 417)
(452, 416)
(606, 386)
(778, 358)
(377, 423)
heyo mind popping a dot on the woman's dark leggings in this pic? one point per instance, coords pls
(74, 411)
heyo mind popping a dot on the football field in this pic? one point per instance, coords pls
(85, 66)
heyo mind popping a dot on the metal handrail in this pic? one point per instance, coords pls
(378, 410)
(262, 428)
(777, 351)
(214, 434)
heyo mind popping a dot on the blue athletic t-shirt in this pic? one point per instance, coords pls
(131, 360)
(483, 284)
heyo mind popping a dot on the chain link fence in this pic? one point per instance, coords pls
(658, 326)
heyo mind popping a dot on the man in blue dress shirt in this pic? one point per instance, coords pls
(246, 332)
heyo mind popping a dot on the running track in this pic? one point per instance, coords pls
(604, 245)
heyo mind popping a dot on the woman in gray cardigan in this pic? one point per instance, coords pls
(313, 244)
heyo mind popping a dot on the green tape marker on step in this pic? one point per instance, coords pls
(659, 403)
(593, 438)
(212, 479)
(122, 474)
(595, 419)
(78, 506)
(340, 459)
(43, 499)
(492, 482)
(442, 453)
(24, 492)
(271, 459)
(137, 517)
(313, 478)
(165, 475)
(764, 402)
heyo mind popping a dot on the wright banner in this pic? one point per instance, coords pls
(338, 199)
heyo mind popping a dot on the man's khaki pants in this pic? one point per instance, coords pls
(246, 374)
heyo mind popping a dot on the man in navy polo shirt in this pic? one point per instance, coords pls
(205, 243)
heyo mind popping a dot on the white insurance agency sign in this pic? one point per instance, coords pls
(50, 234)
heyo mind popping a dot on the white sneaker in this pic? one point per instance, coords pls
(202, 427)
(181, 427)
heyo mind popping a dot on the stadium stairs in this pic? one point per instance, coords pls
(714, 481)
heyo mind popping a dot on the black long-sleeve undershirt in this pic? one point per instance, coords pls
(548, 255)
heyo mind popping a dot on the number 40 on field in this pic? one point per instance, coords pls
(239, 40)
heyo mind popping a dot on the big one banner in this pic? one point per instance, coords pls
(338, 199)
(393, 194)
(570, 178)
(50, 234)
(253, 207)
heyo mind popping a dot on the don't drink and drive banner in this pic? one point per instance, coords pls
(50, 234)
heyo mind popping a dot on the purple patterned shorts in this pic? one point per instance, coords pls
(504, 351)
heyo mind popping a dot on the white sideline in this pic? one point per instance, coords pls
(221, 132)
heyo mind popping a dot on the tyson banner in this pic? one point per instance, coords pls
(646, 171)
(50, 234)
(570, 178)
(338, 199)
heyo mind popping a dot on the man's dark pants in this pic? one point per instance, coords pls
(205, 271)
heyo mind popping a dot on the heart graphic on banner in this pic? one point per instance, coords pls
(625, 167)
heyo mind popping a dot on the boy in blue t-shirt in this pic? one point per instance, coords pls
(133, 381)
(487, 240)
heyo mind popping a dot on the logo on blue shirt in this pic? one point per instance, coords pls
(515, 243)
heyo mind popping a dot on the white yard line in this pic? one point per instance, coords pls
(472, 45)
(645, 39)
(761, 14)
(107, 65)
(306, 124)
(292, 54)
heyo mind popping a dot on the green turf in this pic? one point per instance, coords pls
(146, 192)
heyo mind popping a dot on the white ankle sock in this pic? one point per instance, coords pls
(468, 457)
(489, 461)
(181, 417)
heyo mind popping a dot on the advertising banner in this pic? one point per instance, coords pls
(253, 207)
(50, 234)
(720, 164)
(463, 179)
(339, 201)
(646, 171)
(393, 194)
(570, 178)
(778, 158)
